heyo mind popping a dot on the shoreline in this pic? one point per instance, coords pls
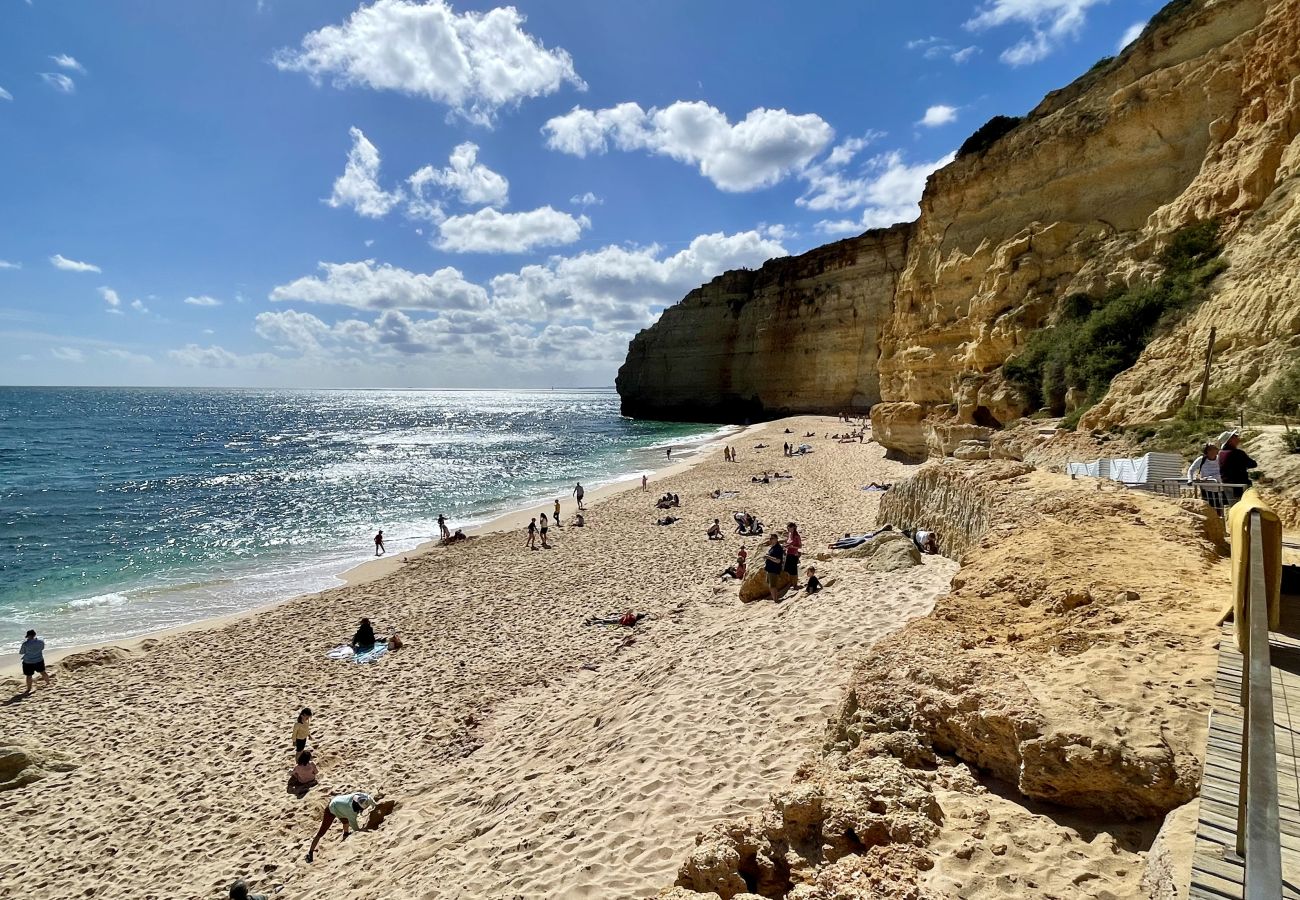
(371, 570)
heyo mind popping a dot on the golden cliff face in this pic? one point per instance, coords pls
(798, 335)
(1198, 119)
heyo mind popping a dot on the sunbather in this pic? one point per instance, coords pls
(667, 520)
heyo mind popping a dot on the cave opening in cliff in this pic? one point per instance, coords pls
(985, 418)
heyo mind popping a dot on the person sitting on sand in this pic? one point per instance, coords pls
(395, 642)
(347, 807)
(302, 730)
(364, 640)
(303, 776)
(579, 521)
(239, 891)
(813, 584)
(926, 541)
(715, 531)
(456, 537)
(738, 570)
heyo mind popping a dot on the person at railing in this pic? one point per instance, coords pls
(1234, 463)
(1206, 466)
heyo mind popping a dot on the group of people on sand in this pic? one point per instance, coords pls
(764, 478)
(304, 776)
(1223, 461)
(668, 501)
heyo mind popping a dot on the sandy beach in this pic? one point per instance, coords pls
(528, 755)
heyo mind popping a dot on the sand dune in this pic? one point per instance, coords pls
(528, 755)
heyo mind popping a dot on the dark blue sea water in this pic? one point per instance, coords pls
(126, 510)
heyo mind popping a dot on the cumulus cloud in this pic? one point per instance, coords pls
(491, 231)
(68, 354)
(759, 151)
(112, 299)
(358, 186)
(367, 285)
(5, 95)
(474, 63)
(888, 189)
(138, 306)
(1131, 34)
(587, 199)
(1050, 23)
(937, 115)
(471, 181)
(59, 261)
(60, 82)
(64, 61)
(203, 300)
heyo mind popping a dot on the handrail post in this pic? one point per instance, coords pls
(1258, 832)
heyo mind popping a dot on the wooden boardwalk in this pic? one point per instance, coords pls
(1217, 870)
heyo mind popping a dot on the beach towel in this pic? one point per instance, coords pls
(346, 652)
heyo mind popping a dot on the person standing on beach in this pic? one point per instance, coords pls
(442, 526)
(578, 492)
(793, 546)
(545, 524)
(670, 454)
(532, 534)
(348, 808)
(773, 562)
(645, 483)
(556, 517)
(1234, 463)
(379, 543)
(32, 652)
(302, 730)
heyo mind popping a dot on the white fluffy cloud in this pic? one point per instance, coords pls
(138, 306)
(937, 115)
(60, 82)
(5, 95)
(64, 61)
(587, 199)
(1050, 22)
(759, 151)
(888, 190)
(367, 285)
(1131, 34)
(358, 186)
(471, 181)
(491, 231)
(59, 261)
(475, 63)
(203, 300)
(112, 299)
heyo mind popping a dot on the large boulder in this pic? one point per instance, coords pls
(890, 551)
(755, 585)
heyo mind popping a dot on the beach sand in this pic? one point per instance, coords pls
(528, 755)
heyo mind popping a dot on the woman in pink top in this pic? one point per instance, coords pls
(793, 543)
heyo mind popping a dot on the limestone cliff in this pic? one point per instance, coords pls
(798, 334)
(1197, 119)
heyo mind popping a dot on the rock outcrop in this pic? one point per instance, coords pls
(1072, 664)
(797, 335)
(1197, 119)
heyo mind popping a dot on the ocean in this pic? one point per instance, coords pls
(129, 510)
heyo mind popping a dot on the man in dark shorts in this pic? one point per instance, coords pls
(773, 563)
(545, 528)
(33, 655)
(532, 534)
(578, 492)
(379, 543)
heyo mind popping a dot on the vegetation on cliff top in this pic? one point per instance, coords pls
(1096, 338)
(988, 134)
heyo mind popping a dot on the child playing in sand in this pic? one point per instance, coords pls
(302, 730)
(347, 807)
(303, 776)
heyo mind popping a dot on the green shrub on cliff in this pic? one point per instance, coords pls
(1282, 398)
(988, 134)
(1096, 338)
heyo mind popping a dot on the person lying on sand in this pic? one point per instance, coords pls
(760, 479)
(760, 446)
(239, 891)
(302, 777)
(627, 619)
(715, 531)
(346, 807)
(876, 487)
(926, 541)
(849, 541)
(668, 520)
(786, 475)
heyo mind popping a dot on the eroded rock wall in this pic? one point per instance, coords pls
(800, 334)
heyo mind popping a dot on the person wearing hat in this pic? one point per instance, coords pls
(1234, 462)
(347, 807)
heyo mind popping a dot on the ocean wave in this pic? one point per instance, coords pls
(113, 599)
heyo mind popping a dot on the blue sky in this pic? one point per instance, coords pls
(400, 194)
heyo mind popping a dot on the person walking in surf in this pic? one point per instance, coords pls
(578, 492)
(379, 543)
(442, 526)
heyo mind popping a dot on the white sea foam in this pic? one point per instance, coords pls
(113, 599)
